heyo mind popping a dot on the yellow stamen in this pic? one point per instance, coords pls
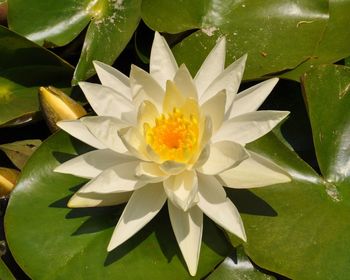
(174, 136)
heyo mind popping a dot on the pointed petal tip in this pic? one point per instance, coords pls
(112, 245)
(58, 169)
(59, 124)
(133, 67)
(244, 58)
(273, 80)
(240, 233)
(192, 271)
(84, 86)
(96, 63)
(271, 83)
(286, 178)
(82, 83)
(183, 67)
(285, 114)
(240, 61)
(157, 37)
(243, 236)
(63, 124)
(99, 65)
(221, 42)
(71, 202)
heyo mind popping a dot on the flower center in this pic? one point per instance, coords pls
(174, 136)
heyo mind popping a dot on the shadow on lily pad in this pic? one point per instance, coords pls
(249, 203)
(160, 227)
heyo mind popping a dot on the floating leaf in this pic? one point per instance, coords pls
(58, 22)
(19, 152)
(24, 67)
(327, 91)
(277, 35)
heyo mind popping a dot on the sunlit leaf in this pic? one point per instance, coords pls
(24, 67)
(111, 24)
(277, 35)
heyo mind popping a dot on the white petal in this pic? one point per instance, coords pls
(147, 113)
(111, 77)
(202, 158)
(250, 99)
(105, 129)
(182, 189)
(134, 141)
(171, 167)
(143, 205)
(206, 127)
(91, 164)
(80, 200)
(163, 65)
(249, 127)
(188, 228)
(150, 171)
(173, 98)
(228, 80)
(184, 82)
(119, 178)
(214, 108)
(106, 101)
(144, 87)
(212, 67)
(254, 172)
(222, 156)
(214, 203)
(152, 155)
(77, 129)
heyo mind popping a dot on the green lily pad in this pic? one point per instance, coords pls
(300, 229)
(24, 67)
(55, 22)
(333, 45)
(58, 22)
(277, 35)
(327, 91)
(5, 273)
(107, 35)
(238, 267)
(73, 243)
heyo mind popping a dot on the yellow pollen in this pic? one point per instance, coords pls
(174, 136)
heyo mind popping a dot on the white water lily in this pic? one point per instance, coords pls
(164, 136)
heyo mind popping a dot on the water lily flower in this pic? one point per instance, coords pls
(164, 137)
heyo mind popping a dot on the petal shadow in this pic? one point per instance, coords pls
(249, 203)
